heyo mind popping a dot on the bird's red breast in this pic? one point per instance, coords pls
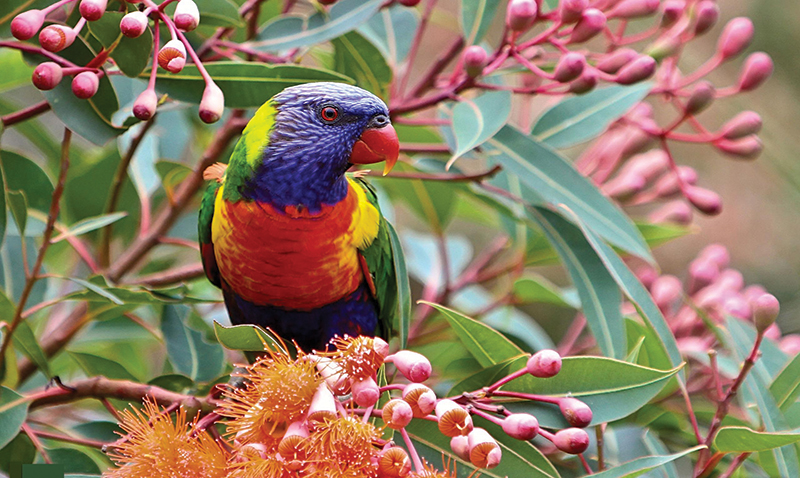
(292, 258)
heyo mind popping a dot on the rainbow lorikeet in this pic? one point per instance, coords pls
(294, 243)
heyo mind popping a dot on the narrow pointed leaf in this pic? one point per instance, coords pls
(388, 30)
(358, 58)
(476, 17)
(641, 465)
(13, 413)
(744, 440)
(25, 342)
(187, 348)
(90, 224)
(478, 119)
(248, 338)
(786, 386)
(403, 286)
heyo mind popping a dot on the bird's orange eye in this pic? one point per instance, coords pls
(329, 114)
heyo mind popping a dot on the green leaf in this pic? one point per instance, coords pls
(651, 353)
(289, 31)
(173, 382)
(580, 118)
(478, 119)
(15, 71)
(613, 389)
(358, 58)
(3, 194)
(74, 461)
(249, 338)
(95, 365)
(389, 31)
(488, 346)
(657, 447)
(644, 464)
(635, 291)
(483, 378)
(20, 451)
(521, 460)
(18, 206)
(600, 296)
(549, 176)
(98, 291)
(132, 55)
(403, 287)
(786, 386)
(245, 85)
(13, 412)
(476, 17)
(537, 289)
(90, 224)
(34, 131)
(25, 342)
(658, 234)
(22, 174)
(219, 13)
(188, 350)
(745, 440)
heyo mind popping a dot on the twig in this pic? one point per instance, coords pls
(441, 176)
(46, 236)
(601, 464)
(36, 443)
(436, 68)
(25, 114)
(171, 276)
(735, 465)
(415, 43)
(69, 439)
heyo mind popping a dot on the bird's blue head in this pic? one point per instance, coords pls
(320, 130)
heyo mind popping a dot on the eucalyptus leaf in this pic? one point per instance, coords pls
(356, 57)
(249, 338)
(478, 119)
(476, 17)
(25, 341)
(18, 206)
(646, 463)
(188, 350)
(388, 30)
(403, 287)
(13, 413)
(745, 440)
(90, 224)
(786, 386)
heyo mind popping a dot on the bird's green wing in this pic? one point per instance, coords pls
(204, 232)
(386, 264)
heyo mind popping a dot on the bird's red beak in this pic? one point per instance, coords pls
(376, 145)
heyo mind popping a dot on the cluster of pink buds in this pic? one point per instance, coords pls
(86, 80)
(314, 414)
(716, 290)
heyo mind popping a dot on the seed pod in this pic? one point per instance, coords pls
(133, 24)
(212, 105)
(577, 413)
(484, 452)
(571, 440)
(55, 38)
(172, 56)
(591, 23)
(393, 463)
(397, 413)
(569, 67)
(757, 69)
(521, 14)
(454, 419)
(521, 426)
(707, 14)
(85, 85)
(187, 15)
(412, 365)
(571, 11)
(25, 25)
(421, 398)
(544, 364)
(366, 392)
(93, 10)
(638, 70)
(47, 75)
(736, 36)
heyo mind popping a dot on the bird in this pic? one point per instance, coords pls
(296, 244)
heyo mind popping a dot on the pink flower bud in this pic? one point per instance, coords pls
(738, 307)
(569, 67)
(25, 25)
(765, 311)
(172, 56)
(521, 426)
(474, 60)
(453, 419)
(572, 10)
(521, 14)
(187, 15)
(705, 200)
(624, 186)
(397, 413)
(647, 274)
(585, 83)
(749, 147)
(366, 392)
(380, 347)
(731, 280)
(591, 23)
(409, 3)
(638, 70)
(544, 364)
(666, 290)
(672, 11)
(677, 212)
(790, 344)
(757, 69)
(412, 365)
(735, 37)
(634, 8)
(85, 85)
(577, 413)
(333, 375)
(484, 452)
(668, 184)
(93, 10)
(701, 97)
(421, 398)
(716, 253)
(212, 105)
(327, 2)
(741, 125)
(612, 62)
(571, 440)
(664, 47)
(47, 75)
(56, 37)
(701, 273)
(133, 24)
(753, 292)
(460, 446)
(145, 105)
(650, 164)
(707, 14)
